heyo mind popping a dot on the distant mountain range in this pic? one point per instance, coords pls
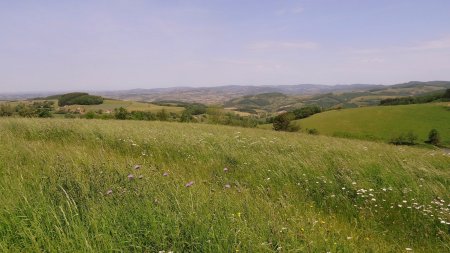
(222, 94)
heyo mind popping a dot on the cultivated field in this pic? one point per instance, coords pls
(73, 185)
(383, 122)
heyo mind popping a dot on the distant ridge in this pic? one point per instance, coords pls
(220, 94)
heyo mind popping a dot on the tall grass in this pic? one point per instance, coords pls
(65, 188)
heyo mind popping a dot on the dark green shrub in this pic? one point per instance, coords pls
(446, 95)
(313, 131)
(405, 139)
(142, 115)
(90, 115)
(186, 116)
(121, 113)
(162, 115)
(6, 110)
(434, 137)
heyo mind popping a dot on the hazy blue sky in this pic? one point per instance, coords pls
(121, 44)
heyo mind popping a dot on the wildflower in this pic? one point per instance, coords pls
(109, 192)
(227, 186)
(137, 166)
(165, 174)
(239, 214)
(189, 184)
(130, 176)
(225, 169)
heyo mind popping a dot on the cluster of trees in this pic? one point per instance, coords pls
(79, 98)
(192, 113)
(441, 96)
(283, 122)
(123, 114)
(36, 109)
(306, 111)
(410, 138)
(216, 115)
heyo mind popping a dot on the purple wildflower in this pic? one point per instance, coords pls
(166, 174)
(130, 176)
(189, 184)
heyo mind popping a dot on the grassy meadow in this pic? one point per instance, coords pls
(383, 122)
(110, 104)
(74, 185)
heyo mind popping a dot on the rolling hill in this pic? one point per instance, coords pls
(383, 122)
(336, 99)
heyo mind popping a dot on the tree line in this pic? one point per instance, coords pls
(283, 121)
(41, 109)
(441, 96)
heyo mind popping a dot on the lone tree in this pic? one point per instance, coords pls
(282, 122)
(434, 137)
(446, 95)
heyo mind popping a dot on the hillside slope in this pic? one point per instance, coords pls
(73, 186)
(383, 122)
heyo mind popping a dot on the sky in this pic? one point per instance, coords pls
(124, 44)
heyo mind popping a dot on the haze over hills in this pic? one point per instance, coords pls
(353, 95)
(220, 94)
